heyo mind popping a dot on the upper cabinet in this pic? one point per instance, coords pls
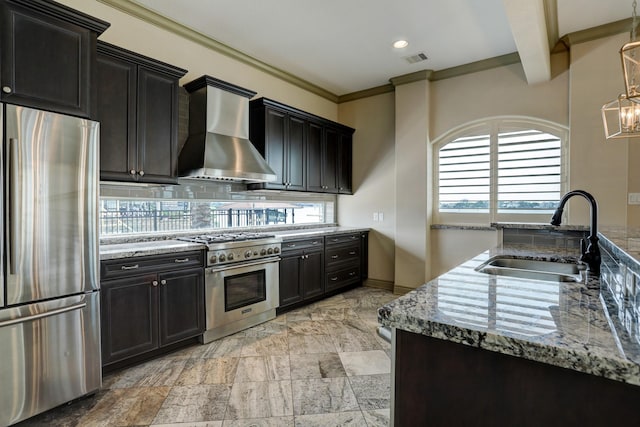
(47, 56)
(308, 153)
(138, 114)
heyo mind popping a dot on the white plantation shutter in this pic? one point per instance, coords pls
(529, 171)
(465, 175)
(519, 171)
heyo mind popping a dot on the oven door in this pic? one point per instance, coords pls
(237, 292)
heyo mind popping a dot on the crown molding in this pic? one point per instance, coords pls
(601, 31)
(411, 77)
(378, 90)
(138, 11)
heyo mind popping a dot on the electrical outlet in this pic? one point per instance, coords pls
(634, 198)
(375, 216)
(381, 216)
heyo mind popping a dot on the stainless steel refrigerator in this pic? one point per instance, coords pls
(49, 281)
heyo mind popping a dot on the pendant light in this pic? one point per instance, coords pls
(621, 117)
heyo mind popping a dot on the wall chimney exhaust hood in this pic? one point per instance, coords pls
(218, 145)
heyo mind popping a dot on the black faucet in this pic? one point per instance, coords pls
(591, 253)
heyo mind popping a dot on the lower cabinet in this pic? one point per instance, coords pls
(301, 271)
(150, 302)
(312, 268)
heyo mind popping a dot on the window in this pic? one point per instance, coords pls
(126, 216)
(502, 169)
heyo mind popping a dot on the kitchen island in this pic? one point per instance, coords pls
(471, 348)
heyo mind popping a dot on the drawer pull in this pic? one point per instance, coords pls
(333, 279)
(315, 242)
(129, 267)
(154, 283)
(335, 240)
(291, 245)
(352, 253)
(353, 237)
(353, 273)
(181, 260)
(334, 256)
(163, 282)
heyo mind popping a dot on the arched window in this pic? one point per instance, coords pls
(500, 169)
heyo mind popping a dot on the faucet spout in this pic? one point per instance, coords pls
(590, 254)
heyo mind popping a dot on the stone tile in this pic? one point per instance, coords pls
(340, 419)
(378, 417)
(372, 391)
(306, 344)
(66, 415)
(260, 422)
(195, 403)
(263, 368)
(275, 326)
(333, 313)
(124, 407)
(316, 365)
(230, 346)
(198, 424)
(366, 362)
(307, 327)
(195, 351)
(266, 345)
(156, 373)
(353, 336)
(260, 400)
(321, 396)
(208, 371)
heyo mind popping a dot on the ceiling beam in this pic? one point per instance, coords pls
(529, 29)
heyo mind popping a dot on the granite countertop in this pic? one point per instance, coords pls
(571, 325)
(156, 247)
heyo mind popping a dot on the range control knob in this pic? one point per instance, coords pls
(213, 259)
(247, 254)
(270, 251)
(263, 251)
(230, 257)
(276, 250)
(222, 258)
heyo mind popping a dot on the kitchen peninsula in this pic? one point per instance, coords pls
(514, 351)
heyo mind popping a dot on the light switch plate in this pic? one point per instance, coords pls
(634, 198)
(375, 216)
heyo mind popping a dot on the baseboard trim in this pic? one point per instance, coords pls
(401, 290)
(378, 284)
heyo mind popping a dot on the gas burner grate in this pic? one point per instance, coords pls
(226, 237)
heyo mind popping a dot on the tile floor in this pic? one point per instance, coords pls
(321, 365)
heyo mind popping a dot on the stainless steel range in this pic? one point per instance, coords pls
(241, 281)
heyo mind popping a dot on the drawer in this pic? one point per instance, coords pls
(341, 254)
(115, 268)
(338, 239)
(343, 277)
(294, 245)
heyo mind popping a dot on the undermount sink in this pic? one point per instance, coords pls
(550, 271)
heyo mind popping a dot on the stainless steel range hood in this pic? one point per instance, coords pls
(218, 145)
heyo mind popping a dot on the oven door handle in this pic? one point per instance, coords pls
(243, 264)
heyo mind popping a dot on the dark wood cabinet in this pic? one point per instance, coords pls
(312, 268)
(343, 260)
(307, 152)
(280, 137)
(301, 271)
(47, 56)
(150, 302)
(137, 106)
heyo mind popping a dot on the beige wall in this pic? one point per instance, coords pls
(597, 165)
(450, 248)
(373, 179)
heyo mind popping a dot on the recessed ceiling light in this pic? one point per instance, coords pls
(400, 44)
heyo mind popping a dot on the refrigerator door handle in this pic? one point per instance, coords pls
(12, 191)
(43, 315)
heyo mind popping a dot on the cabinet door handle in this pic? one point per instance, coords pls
(333, 279)
(132, 172)
(154, 283)
(141, 173)
(334, 256)
(6, 89)
(163, 282)
(129, 267)
(181, 260)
